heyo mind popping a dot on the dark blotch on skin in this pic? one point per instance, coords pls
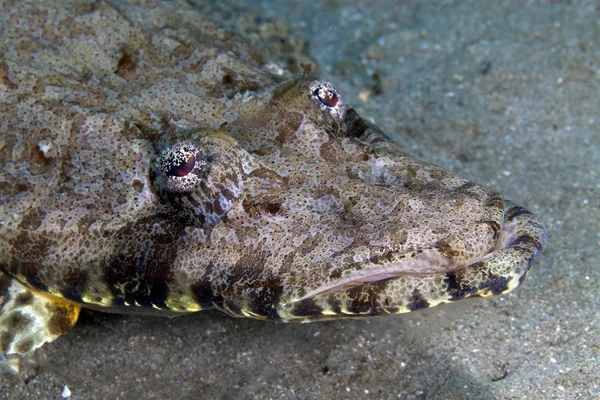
(365, 297)
(265, 299)
(6, 338)
(515, 212)
(137, 281)
(29, 269)
(24, 299)
(127, 64)
(417, 301)
(61, 321)
(4, 282)
(273, 207)
(446, 250)
(17, 321)
(140, 274)
(203, 293)
(497, 284)
(233, 308)
(25, 346)
(334, 305)
(495, 201)
(526, 242)
(307, 308)
(75, 283)
(456, 286)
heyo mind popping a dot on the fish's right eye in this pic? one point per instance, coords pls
(326, 96)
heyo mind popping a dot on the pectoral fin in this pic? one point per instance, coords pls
(28, 319)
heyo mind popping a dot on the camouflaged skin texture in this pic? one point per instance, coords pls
(302, 211)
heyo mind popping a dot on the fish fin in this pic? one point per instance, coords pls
(28, 319)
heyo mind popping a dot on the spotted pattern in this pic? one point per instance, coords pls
(159, 175)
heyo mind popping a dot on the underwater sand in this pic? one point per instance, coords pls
(503, 93)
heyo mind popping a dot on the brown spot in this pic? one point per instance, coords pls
(495, 201)
(227, 79)
(77, 122)
(4, 71)
(217, 207)
(307, 308)
(438, 174)
(18, 321)
(335, 274)
(24, 299)
(526, 243)
(257, 206)
(127, 64)
(140, 131)
(331, 152)
(273, 208)
(365, 297)
(268, 174)
(39, 156)
(6, 338)
(495, 227)
(137, 185)
(232, 83)
(515, 212)
(446, 250)
(63, 317)
(384, 258)
(25, 346)
(287, 130)
(32, 220)
(5, 282)
(417, 301)
(228, 194)
(411, 174)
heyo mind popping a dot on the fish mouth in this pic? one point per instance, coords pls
(503, 268)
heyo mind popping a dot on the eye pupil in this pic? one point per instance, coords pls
(182, 169)
(327, 97)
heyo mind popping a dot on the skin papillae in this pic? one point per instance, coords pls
(159, 167)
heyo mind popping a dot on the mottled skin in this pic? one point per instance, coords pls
(159, 167)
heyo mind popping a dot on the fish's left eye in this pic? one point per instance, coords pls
(328, 98)
(179, 168)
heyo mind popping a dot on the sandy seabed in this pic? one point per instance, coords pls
(503, 93)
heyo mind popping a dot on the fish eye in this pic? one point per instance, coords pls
(180, 168)
(328, 99)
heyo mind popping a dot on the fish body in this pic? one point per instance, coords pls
(161, 167)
